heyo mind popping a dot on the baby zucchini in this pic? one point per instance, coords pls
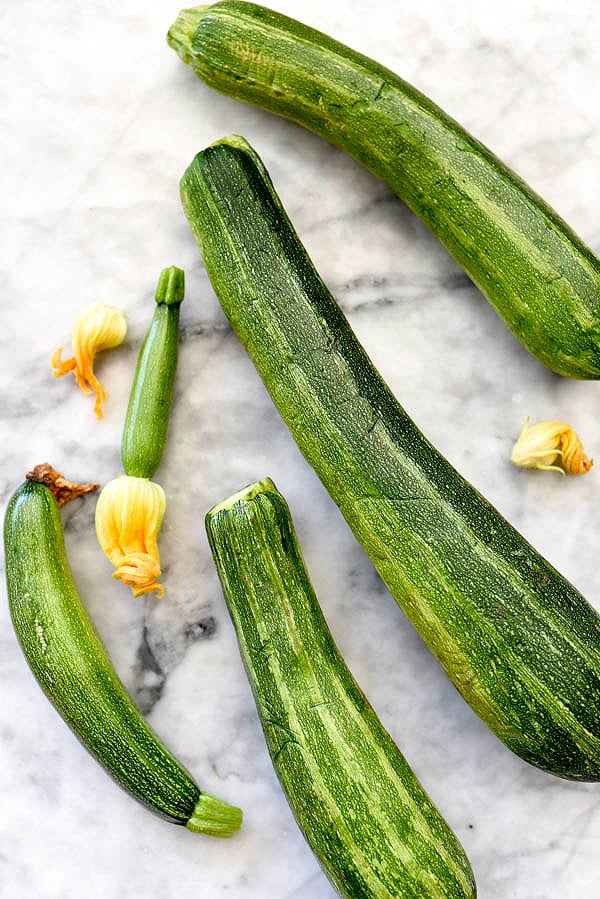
(355, 798)
(541, 278)
(71, 665)
(147, 419)
(518, 641)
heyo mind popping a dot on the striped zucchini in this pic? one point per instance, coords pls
(147, 420)
(518, 641)
(355, 798)
(70, 663)
(542, 280)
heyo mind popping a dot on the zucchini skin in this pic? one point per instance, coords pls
(373, 828)
(147, 419)
(542, 279)
(70, 663)
(519, 642)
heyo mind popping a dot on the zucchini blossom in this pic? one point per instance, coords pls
(98, 327)
(129, 514)
(551, 446)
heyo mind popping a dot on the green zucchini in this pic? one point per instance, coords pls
(518, 641)
(537, 273)
(70, 663)
(373, 828)
(147, 420)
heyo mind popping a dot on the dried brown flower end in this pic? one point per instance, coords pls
(63, 489)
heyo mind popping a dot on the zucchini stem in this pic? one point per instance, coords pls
(171, 286)
(214, 817)
(181, 32)
(246, 494)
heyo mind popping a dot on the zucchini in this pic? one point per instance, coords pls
(147, 419)
(373, 828)
(541, 278)
(518, 641)
(70, 663)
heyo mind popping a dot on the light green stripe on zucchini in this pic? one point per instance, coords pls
(538, 274)
(326, 694)
(519, 642)
(362, 810)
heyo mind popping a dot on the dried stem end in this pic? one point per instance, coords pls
(63, 489)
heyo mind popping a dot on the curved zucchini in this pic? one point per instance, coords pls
(352, 792)
(71, 665)
(147, 420)
(537, 273)
(518, 641)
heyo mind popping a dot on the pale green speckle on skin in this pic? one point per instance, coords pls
(40, 635)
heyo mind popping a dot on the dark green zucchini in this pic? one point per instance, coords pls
(354, 796)
(147, 419)
(537, 273)
(70, 663)
(519, 642)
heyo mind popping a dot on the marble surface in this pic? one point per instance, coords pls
(99, 120)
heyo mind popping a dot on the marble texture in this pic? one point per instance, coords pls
(99, 119)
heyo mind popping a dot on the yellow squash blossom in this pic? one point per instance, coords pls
(98, 327)
(129, 514)
(551, 446)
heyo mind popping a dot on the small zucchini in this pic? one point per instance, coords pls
(147, 420)
(541, 278)
(70, 663)
(518, 641)
(373, 828)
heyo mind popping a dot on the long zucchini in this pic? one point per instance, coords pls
(352, 792)
(70, 663)
(541, 278)
(518, 641)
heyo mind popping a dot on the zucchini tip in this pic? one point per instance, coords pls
(214, 817)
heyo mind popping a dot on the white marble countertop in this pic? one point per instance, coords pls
(99, 120)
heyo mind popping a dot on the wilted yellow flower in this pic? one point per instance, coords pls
(551, 446)
(129, 514)
(98, 327)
